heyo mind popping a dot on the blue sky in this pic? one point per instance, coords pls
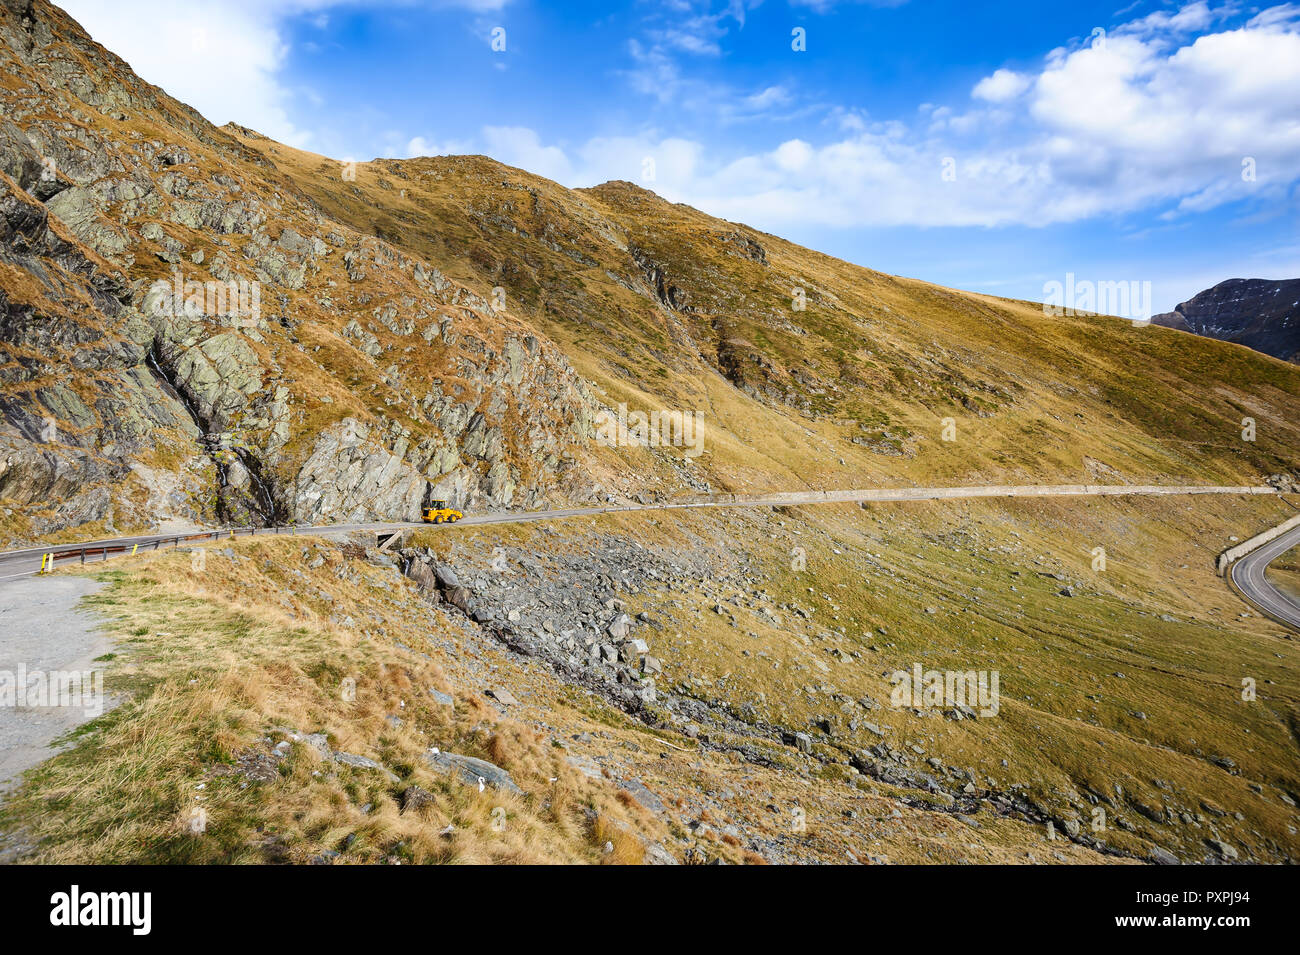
(988, 147)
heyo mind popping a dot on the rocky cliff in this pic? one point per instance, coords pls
(184, 335)
(1263, 314)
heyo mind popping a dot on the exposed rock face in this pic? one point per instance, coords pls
(1259, 313)
(78, 406)
(473, 771)
(183, 334)
(350, 474)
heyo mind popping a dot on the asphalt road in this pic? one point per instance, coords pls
(41, 627)
(1248, 575)
(28, 561)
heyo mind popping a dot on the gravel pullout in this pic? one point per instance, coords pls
(41, 628)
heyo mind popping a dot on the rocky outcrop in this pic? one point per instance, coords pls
(669, 295)
(473, 771)
(1262, 314)
(77, 408)
(350, 476)
(573, 620)
(183, 329)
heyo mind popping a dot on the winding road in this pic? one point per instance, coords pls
(31, 560)
(40, 622)
(1248, 575)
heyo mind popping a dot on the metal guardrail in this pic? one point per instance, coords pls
(50, 559)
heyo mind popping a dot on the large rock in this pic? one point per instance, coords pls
(471, 770)
(420, 572)
(656, 854)
(219, 375)
(620, 626)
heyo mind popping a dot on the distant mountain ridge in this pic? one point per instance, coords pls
(1263, 314)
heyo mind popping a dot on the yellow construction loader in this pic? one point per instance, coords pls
(440, 513)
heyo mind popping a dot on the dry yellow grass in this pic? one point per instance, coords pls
(975, 585)
(784, 393)
(221, 666)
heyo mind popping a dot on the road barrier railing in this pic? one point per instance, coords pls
(1238, 551)
(50, 558)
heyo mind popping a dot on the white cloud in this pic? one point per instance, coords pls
(419, 146)
(1148, 118)
(221, 57)
(1192, 18)
(1275, 16)
(654, 72)
(765, 99)
(522, 147)
(683, 26)
(1003, 85)
(693, 41)
(793, 155)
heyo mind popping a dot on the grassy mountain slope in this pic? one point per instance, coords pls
(382, 370)
(663, 306)
(189, 408)
(1122, 718)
